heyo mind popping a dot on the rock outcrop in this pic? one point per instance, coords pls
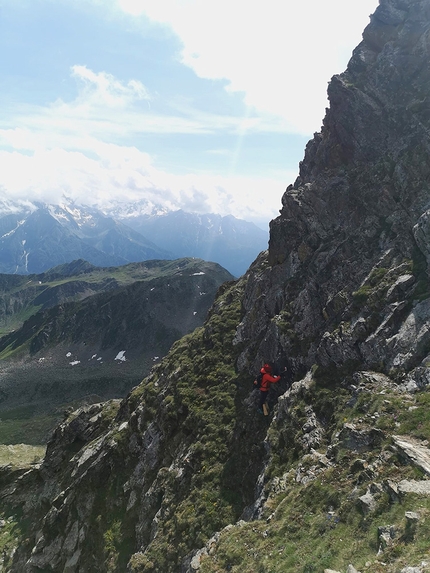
(341, 299)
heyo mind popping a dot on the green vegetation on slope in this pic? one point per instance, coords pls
(24, 425)
(26, 295)
(313, 518)
(201, 406)
(318, 526)
(91, 314)
(21, 455)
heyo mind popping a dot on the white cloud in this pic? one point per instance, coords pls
(125, 173)
(279, 54)
(109, 110)
(104, 89)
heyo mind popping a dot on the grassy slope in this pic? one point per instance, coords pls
(308, 527)
(20, 455)
(98, 279)
(207, 394)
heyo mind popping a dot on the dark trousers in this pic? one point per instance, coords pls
(263, 398)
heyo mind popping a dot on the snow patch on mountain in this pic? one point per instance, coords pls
(131, 210)
(72, 213)
(16, 207)
(8, 234)
(121, 356)
(57, 214)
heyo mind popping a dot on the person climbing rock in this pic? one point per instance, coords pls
(266, 380)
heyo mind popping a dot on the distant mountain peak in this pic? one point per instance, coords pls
(37, 236)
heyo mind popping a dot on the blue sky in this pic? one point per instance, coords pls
(197, 104)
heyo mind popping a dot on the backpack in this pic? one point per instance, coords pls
(258, 380)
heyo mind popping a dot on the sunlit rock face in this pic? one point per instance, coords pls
(357, 215)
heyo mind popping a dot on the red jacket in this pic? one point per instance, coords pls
(267, 379)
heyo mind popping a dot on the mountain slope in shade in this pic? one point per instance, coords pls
(34, 238)
(98, 331)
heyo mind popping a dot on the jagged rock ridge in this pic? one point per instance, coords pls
(342, 299)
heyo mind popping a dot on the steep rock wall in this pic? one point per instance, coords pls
(353, 228)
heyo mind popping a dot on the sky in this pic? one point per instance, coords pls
(204, 105)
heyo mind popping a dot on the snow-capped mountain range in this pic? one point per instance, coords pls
(36, 236)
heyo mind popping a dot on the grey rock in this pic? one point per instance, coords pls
(312, 431)
(398, 338)
(392, 490)
(312, 465)
(412, 520)
(359, 439)
(375, 381)
(402, 284)
(417, 379)
(416, 452)
(367, 502)
(421, 232)
(418, 487)
(413, 333)
(386, 535)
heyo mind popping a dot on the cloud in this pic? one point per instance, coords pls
(127, 174)
(104, 89)
(280, 55)
(104, 108)
(84, 149)
(110, 110)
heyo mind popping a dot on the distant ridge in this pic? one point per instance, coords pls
(33, 241)
(36, 237)
(229, 241)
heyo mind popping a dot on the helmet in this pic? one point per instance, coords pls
(267, 368)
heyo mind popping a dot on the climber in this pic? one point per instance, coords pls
(266, 380)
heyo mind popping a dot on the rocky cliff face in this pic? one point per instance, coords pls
(342, 299)
(348, 256)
